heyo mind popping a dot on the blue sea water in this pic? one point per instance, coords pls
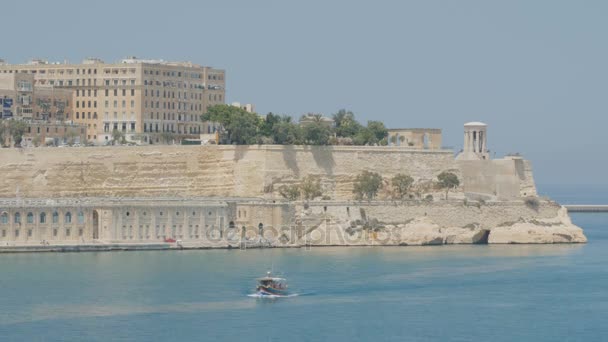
(440, 293)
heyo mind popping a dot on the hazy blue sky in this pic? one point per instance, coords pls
(534, 71)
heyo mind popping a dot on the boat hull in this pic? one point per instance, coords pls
(269, 291)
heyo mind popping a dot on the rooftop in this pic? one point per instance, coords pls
(95, 60)
(475, 123)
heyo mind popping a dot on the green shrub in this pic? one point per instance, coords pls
(367, 185)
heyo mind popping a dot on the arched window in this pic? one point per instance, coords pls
(68, 217)
(55, 217)
(80, 217)
(4, 218)
(17, 218)
(30, 217)
(231, 224)
(42, 217)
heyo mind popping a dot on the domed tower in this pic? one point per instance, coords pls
(475, 142)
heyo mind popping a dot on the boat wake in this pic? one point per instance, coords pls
(259, 295)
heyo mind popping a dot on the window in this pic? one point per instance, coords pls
(68, 217)
(17, 218)
(42, 217)
(80, 217)
(4, 218)
(30, 218)
(55, 217)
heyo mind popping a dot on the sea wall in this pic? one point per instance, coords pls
(217, 223)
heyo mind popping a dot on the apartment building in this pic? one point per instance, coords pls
(16, 96)
(149, 101)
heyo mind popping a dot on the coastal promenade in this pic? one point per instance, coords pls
(587, 208)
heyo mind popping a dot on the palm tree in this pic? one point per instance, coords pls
(343, 116)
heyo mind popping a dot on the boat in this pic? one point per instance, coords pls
(271, 286)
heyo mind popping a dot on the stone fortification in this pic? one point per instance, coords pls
(191, 171)
(240, 171)
(220, 196)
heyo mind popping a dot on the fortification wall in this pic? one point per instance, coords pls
(202, 171)
(506, 178)
(443, 213)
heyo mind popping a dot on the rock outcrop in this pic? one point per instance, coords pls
(555, 230)
(422, 231)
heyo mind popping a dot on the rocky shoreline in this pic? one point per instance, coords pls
(420, 231)
(423, 231)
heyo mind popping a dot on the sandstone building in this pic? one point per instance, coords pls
(150, 101)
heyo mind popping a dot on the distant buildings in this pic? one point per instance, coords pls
(149, 101)
(248, 107)
(425, 138)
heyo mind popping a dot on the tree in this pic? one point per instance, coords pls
(71, 135)
(3, 132)
(401, 185)
(118, 137)
(17, 128)
(36, 140)
(311, 187)
(167, 137)
(316, 133)
(378, 129)
(367, 184)
(346, 125)
(286, 132)
(241, 126)
(447, 181)
(375, 133)
(364, 137)
(268, 123)
(290, 192)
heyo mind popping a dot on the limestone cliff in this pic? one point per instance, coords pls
(552, 225)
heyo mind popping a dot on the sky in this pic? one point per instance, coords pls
(535, 71)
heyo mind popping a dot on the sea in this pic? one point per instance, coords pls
(434, 293)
